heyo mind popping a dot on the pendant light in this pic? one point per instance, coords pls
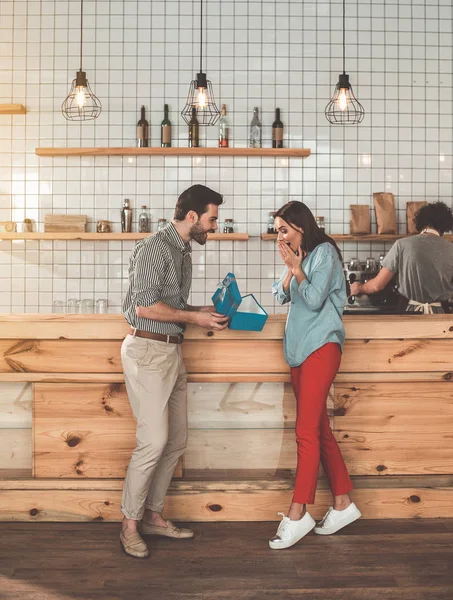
(81, 104)
(201, 96)
(344, 108)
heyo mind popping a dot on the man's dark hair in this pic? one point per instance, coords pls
(196, 198)
(436, 215)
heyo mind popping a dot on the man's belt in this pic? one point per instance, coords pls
(160, 337)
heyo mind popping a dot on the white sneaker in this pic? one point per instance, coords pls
(334, 520)
(290, 532)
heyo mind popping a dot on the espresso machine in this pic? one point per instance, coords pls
(385, 301)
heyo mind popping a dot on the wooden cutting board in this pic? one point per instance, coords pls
(54, 223)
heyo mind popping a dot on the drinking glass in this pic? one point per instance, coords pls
(58, 306)
(86, 306)
(102, 306)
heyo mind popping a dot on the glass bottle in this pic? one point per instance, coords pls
(270, 223)
(143, 220)
(255, 130)
(165, 130)
(161, 224)
(228, 226)
(194, 130)
(142, 130)
(277, 131)
(224, 129)
(320, 222)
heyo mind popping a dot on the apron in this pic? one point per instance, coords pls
(425, 307)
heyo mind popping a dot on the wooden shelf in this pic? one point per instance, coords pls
(276, 152)
(231, 237)
(372, 237)
(12, 109)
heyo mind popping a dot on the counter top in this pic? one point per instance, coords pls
(114, 327)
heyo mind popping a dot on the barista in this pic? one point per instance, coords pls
(423, 263)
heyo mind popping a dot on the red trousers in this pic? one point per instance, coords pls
(311, 383)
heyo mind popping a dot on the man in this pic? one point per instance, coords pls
(156, 308)
(423, 263)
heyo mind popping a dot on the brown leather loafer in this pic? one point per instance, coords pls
(134, 545)
(170, 531)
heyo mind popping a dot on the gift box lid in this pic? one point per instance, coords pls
(227, 297)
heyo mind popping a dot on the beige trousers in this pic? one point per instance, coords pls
(156, 383)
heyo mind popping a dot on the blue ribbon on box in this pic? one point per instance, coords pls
(227, 297)
(227, 300)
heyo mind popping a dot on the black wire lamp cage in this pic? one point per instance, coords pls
(201, 95)
(81, 103)
(344, 108)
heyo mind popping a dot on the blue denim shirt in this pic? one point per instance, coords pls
(315, 315)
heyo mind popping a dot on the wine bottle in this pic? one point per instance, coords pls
(277, 131)
(194, 130)
(224, 129)
(165, 130)
(255, 130)
(142, 130)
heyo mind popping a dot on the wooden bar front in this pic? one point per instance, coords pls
(67, 432)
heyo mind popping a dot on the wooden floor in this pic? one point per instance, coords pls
(371, 560)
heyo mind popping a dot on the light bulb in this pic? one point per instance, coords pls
(201, 98)
(81, 98)
(343, 99)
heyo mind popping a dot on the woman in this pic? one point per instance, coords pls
(314, 283)
(423, 262)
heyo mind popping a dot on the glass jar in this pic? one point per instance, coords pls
(143, 221)
(161, 224)
(270, 223)
(320, 222)
(228, 226)
(103, 226)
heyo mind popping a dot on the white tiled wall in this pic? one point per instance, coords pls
(258, 53)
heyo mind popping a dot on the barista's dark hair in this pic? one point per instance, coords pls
(298, 213)
(196, 198)
(436, 215)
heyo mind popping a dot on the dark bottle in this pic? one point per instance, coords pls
(194, 130)
(165, 130)
(277, 131)
(142, 130)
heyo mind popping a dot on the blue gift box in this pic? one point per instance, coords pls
(245, 313)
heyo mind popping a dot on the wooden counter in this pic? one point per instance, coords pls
(66, 429)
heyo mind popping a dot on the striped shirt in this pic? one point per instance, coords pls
(160, 270)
